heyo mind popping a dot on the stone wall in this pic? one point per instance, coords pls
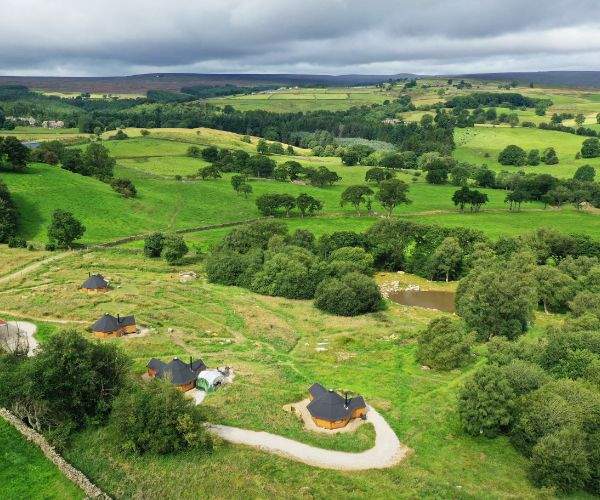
(90, 489)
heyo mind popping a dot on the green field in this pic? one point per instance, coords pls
(481, 145)
(292, 100)
(43, 134)
(167, 204)
(26, 473)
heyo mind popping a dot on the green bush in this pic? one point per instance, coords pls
(345, 260)
(16, 242)
(590, 148)
(498, 297)
(157, 418)
(224, 267)
(513, 155)
(255, 235)
(593, 448)
(556, 405)
(64, 229)
(154, 244)
(443, 345)
(524, 376)
(560, 460)
(77, 379)
(174, 248)
(292, 273)
(350, 295)
(124, 187)
(486, 403)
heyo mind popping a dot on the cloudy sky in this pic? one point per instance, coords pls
(118, 37)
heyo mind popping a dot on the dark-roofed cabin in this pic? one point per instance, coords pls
(181, 374)
(108, 326)
(330, 410)
(95, 283)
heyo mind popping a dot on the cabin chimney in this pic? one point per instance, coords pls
(346, 400)
(118, 318)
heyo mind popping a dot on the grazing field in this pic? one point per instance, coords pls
(26, 473)
(44, 134)
(481, 145)
(198, 136)
(271, 343)
(12, 259)
(167, 204)
(291, 100)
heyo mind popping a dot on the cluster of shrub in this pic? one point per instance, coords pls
(523, 186)
(265, 258)
(94, 161)
(259, 165)
(543, 393)
(495, 99)
(73, 384)
(550, 190)
(171, 247)
(559, 127)
(517, 156)
(194, 92)
(273, 148)
(276, 204)
(13, 154)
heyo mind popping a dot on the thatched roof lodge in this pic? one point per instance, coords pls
(108, 326)
(95, 283)
(330, 410)
(181, 374)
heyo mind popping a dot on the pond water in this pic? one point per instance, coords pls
(430, 299)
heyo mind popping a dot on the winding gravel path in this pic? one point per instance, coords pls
(387, 452)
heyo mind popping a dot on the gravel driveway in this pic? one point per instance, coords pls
(387, 452)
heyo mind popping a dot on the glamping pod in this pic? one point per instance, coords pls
(209, 380)
(95, 283)
(108, 326)
(330, 410)
(182, 375)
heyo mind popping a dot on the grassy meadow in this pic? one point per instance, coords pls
(305, 99)
(481, 145)
(26, 473)
(165, 203)
(271, 343)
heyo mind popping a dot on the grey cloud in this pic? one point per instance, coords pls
(333, 36)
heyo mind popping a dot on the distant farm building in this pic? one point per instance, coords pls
(181, 374)
(108, 326)
(330, 410)
(22, 120)
(53, 124)
(95, 283)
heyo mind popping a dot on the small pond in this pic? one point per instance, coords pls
(430, 299)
